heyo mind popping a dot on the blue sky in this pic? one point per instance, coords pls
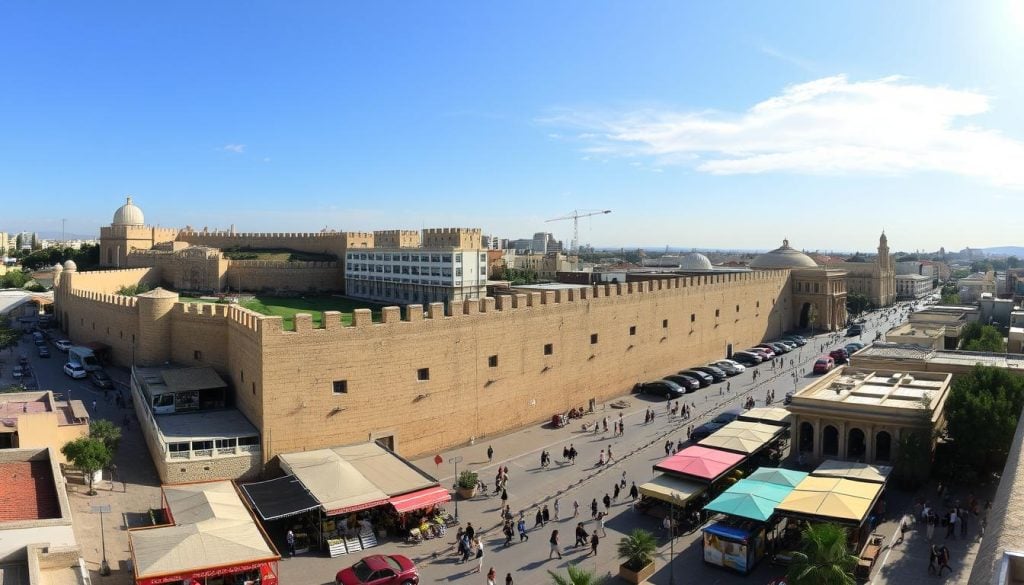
(700, 124)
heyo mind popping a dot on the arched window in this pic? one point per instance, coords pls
(855, 444)
(806, 437)
(830, 441)
(883, 446)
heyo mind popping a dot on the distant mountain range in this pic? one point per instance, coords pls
(1006, 250)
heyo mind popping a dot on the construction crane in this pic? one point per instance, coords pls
(575, 217)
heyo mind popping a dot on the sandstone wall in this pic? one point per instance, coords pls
(317, 243)
(465, 397)
(260, 275)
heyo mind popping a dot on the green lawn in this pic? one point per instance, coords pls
(287, 307)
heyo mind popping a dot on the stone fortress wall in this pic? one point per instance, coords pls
(433, 379)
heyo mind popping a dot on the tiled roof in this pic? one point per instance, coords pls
(27, 492)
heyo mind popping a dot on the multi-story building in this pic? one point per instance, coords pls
(546, 265)
(39, 419)
(450, 265)
(971, 288)
(876, 280)
(913, 286)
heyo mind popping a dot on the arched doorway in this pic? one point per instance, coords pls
(806, 437)
(830, 441)
(856, 447)
(805, 316)
(883, 446)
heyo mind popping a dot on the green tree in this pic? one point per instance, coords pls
(88, 455)
(9, 336)
(106, 431)
(857, 303)
(14, 279)
(977, 337)
(981, 416)
(576, 576)
(912, 460)
(823, 558)
(132, 290)
(637, 549)
(1013, 262)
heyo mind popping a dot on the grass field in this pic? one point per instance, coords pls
(277, 255)
(287, 307)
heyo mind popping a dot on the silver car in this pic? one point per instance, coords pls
(729, 367)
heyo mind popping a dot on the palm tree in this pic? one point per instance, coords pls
(577, 576)
(823, 558)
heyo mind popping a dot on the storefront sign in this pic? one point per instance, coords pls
(268, 576)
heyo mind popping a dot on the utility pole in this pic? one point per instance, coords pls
(456, 460)
(63, 238)
(101, 510)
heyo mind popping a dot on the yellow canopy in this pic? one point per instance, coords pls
(853, 470)
(672, 490)
(742, 436)
(831, 497)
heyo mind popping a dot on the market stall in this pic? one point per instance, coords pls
(700, 463)
(285, 504)
(743, 437)
(833, 499)
(365, 490)
(736, 547)
(853, 470)
(772, 415)
(211, 538)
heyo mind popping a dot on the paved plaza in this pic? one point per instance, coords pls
(530, 485)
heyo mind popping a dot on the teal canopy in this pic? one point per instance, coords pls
(778, 476)
(753, 498)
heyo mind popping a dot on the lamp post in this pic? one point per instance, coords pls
(672, 540)
(101, 510)
(455, 461)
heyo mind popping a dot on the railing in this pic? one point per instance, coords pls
(179, 455)
(202, 453)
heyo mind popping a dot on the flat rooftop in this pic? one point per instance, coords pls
(878, 388)
(209, 425)
(27, 491)
(898, 351)
(17, 404)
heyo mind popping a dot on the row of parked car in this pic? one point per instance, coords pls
(690, 380)
(836, 357)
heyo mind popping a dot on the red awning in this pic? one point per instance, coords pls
(420, 499)
(355, 508)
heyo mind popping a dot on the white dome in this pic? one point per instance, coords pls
(57, 268)
(128, 214)
(695, 261)
(70, 266)
(783, 257)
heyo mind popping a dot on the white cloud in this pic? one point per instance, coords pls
(826, 126)
(233, 148)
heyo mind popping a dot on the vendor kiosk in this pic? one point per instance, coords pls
(736, 547)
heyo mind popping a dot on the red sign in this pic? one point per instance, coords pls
(438, 459)
(269, 578)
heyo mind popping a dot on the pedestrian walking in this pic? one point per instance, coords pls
(622, 480)
(575, 508)
(521, 526)
(728, 386)
(607, 503)
(504, 496)
(668, 447)
(470, 532)
(538, 520)
(594, 540)
(951, 524)
(600, 458)
(545, 514)
(490, 576)
(508, 579)
(581, 535)
(634, 492)
(593, 508)
(944, 560)
(610, 456)
(932, 520)
(290, 539)
(507, 531)
(615, 493)
(933, 560)
(600, 523)
(556, 508)
(490, 453)
(962, 517)
(94, 406)
(478, 543)
(904, 527)
(554, 545)
(572, 454)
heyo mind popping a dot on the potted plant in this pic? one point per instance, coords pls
(465, 486)
(637, 550)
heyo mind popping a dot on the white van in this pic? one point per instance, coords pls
(84, 357)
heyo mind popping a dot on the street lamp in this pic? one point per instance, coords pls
(455, 461)
(101, 510)
(672, 540)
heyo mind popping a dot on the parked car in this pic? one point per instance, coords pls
(704, 378)
(852, 348)
(100, 379)
(685, 382)
(707, 429)
(800, 341)
(788, 398)
(778, 348)
(790, 345)
(44, 352)
(62, 344)
(380, 570)
(766, 353)
(854, 329)
(74, 370)
(747, 358)
(18, 372)
(716, 373)
(666, 388)
(730, 367)
(839, 355)
(824, 365)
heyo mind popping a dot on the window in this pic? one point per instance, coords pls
(458, 272)
(202, 445)
(241, 374)
(387, 257)
(693, 317)
(178, 447)
(405, 257)
(815, 287)
(664, 323)
(458, 257)
(593, 339)
(254, 388)
(435, 257)
(549, 348)
(341, 386)
(423, 374)
(717, 312)
(758, 304)
(225, 443)
(197, 355)
(248, 441)
(447, 258)
(483, 257)
(737, 308)
(632, 329)
(492, 361)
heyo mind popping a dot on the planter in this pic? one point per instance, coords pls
(636, 577)
(465, 493)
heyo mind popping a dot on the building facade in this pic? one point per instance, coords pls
(913, 286)
(876, 279)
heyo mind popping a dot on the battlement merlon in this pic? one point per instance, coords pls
(453, 237)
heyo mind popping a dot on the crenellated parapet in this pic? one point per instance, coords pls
(105, 298)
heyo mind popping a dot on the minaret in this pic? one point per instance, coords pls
(883, 252)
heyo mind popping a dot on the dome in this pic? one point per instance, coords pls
(783, 257)
(695, 261)
(128, 214)
(57, 268)
(70, 266)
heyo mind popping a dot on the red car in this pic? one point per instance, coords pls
(380, 570)
(839, 355)
(824, 365)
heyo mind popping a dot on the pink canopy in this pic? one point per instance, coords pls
(700, 462)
